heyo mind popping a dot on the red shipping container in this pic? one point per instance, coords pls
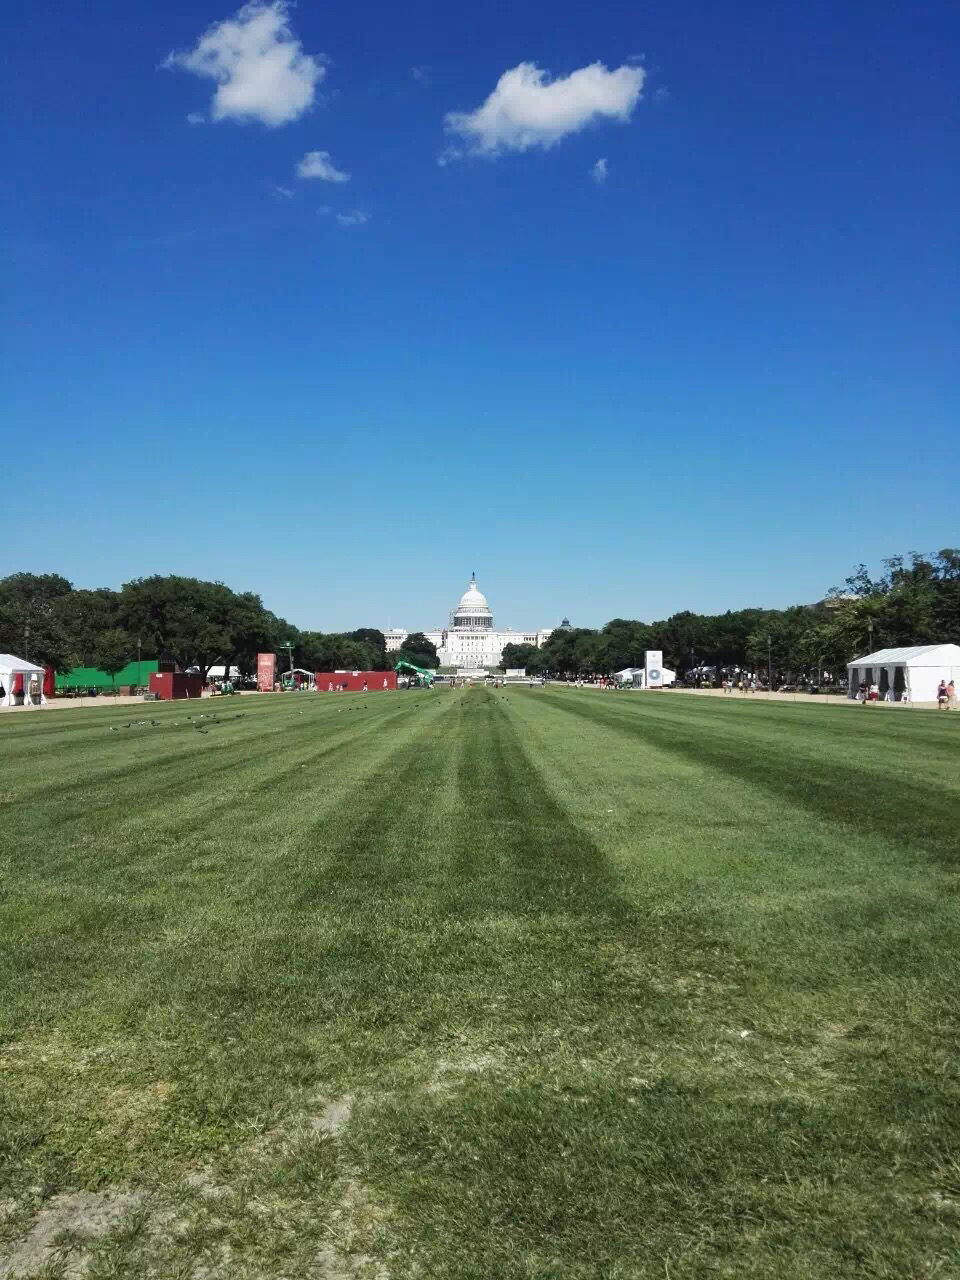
(376, 681)
(175, 684)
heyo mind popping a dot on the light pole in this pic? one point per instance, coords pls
(26, 642)
(139, 666)
(870, 631)
(769, 665)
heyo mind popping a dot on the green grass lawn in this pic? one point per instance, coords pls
(477, 983)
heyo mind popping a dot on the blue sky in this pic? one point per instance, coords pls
(719, 376)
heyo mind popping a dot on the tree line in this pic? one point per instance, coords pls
(43, 617)
(915, 600)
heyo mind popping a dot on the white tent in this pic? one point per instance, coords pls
(916, 671)
(637, 677)
(10, 668)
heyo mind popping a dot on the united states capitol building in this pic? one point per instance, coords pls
(470, 641)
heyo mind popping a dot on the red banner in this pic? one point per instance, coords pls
(266, 671)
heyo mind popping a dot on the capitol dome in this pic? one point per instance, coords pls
(473, 610)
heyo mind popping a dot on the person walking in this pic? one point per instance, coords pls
(951, 696)
(943, 703)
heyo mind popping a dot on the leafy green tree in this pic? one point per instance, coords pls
(625, 643)
(112, 651)
(334, 651)
(519, 655)
(29, 623)
(252, 629)
(84, 616)
(416, 648)
(199, 623)
(376, 643)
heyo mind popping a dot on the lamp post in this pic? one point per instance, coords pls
(139, 666)
(26, 642)
(769, 665)
(870, 631)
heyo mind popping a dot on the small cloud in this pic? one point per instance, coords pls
(421, 75)
(599, 172)
(662, 94)
(448, 155)
(282, 193)
(355, 219)
(258, 64)
(528, 109)
(196, 117)
(324, 209)
(637, 58)
(317, 164)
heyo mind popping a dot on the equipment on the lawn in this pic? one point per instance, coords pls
(420, 676)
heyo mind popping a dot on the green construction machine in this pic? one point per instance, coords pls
(420, 676)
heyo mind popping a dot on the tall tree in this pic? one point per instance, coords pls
(114, 649)
(84, 616)
(416, 648)
(193, 620)
(519, 656)
(29, 623)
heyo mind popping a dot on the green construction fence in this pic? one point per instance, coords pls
(134, 673)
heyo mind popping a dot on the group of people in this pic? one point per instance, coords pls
(946, 694)
(741, 685)
(871, 693)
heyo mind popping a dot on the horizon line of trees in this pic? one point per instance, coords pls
(47, 620)
(43, 617)
(915, 600)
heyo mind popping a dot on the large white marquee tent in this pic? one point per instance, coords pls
(10, 668)
(916, 670)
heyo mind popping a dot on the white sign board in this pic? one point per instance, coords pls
(519, 672)
(654, 669)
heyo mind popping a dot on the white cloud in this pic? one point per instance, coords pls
(599, 171)
(281, 193)
(527, 109)
(196, 117)
(421, 75)
(355, 219)
(324, 209)
(259, 65)
(317, 164)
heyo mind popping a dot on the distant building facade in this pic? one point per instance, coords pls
(471, 641)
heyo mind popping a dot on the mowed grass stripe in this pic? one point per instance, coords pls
(112, 749)
(536, 1006)
(761, 914)
(848, 778)
(122, 890)
(625, 1126)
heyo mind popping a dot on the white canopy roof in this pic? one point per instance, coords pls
(10, 663)
(917, 655)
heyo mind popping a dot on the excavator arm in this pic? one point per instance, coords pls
(424, 676)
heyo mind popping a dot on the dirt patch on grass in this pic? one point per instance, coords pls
(334, 1117)
(60, 1230)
